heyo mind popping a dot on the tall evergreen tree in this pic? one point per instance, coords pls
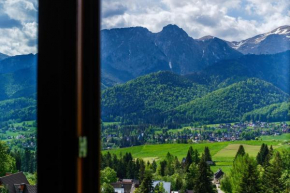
(195, 157)
(188, 159)
(272, 174)
(178, 183)
(147, 182)
(154, 166)
(262, 154)
(141, 170)
(207, 155)
(177, 164)
(250, 181)
(203, 180)
(162, 168)
(241, 151)
(190, 176)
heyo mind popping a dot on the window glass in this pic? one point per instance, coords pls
(18, 93)
(195, 95)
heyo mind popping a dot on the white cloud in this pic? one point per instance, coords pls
(21, 39)
(204, 17)
(16, 41)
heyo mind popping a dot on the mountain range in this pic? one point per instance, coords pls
(18, 78)
(170, 78)
(127, 53)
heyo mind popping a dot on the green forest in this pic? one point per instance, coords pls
(165, 97)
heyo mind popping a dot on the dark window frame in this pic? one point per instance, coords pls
(57, 134)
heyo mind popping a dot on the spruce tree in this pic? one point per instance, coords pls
(178, 183)
(202, 183)
(250, 181)
(177, 164)
(190, 176)
(262, 155)
(272, 174)
(141, 170)
(241, 151)
(147, 182)
(188, 159)
(207, 155)
(154, 166)
(195, 157)
(163, 165)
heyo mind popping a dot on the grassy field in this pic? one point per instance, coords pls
(284, 137)
(110, 123)
(222, 153)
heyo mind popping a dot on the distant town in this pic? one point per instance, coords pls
(116, 135)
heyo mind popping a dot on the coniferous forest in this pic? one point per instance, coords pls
(268, 172)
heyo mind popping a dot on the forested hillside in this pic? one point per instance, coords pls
(228, 104)
(165, 97)
(270, 113)
(148, 95)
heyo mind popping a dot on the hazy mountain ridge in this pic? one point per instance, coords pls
(271, 68)
(18, 76)
(136, 51)
(127, 53)
(3, 56)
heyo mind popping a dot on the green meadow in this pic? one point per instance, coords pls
(222, 153)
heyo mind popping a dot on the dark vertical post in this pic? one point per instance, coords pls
(91, 94)
(58, 108)
(57, 141)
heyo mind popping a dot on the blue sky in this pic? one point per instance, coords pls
(228, 19)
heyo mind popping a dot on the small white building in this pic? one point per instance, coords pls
(119, 190)
(166, 185)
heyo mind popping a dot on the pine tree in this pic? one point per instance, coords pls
(241, 151)
(147, 182)
(177, 164)
(272, 175)
(154, 166)
(237, 172)
(250, 180)
(207, 155)
(188, 159)
(162, 168)
(202, 183)
(141, 170)
(262, 155)
(178, 183)
(190, 176)
(195, 157)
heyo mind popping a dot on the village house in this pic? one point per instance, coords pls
(218, 176)
(17, 183)
(125, 186)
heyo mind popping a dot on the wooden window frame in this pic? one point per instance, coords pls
(61, 102)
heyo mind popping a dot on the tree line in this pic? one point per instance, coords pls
(269, 172)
